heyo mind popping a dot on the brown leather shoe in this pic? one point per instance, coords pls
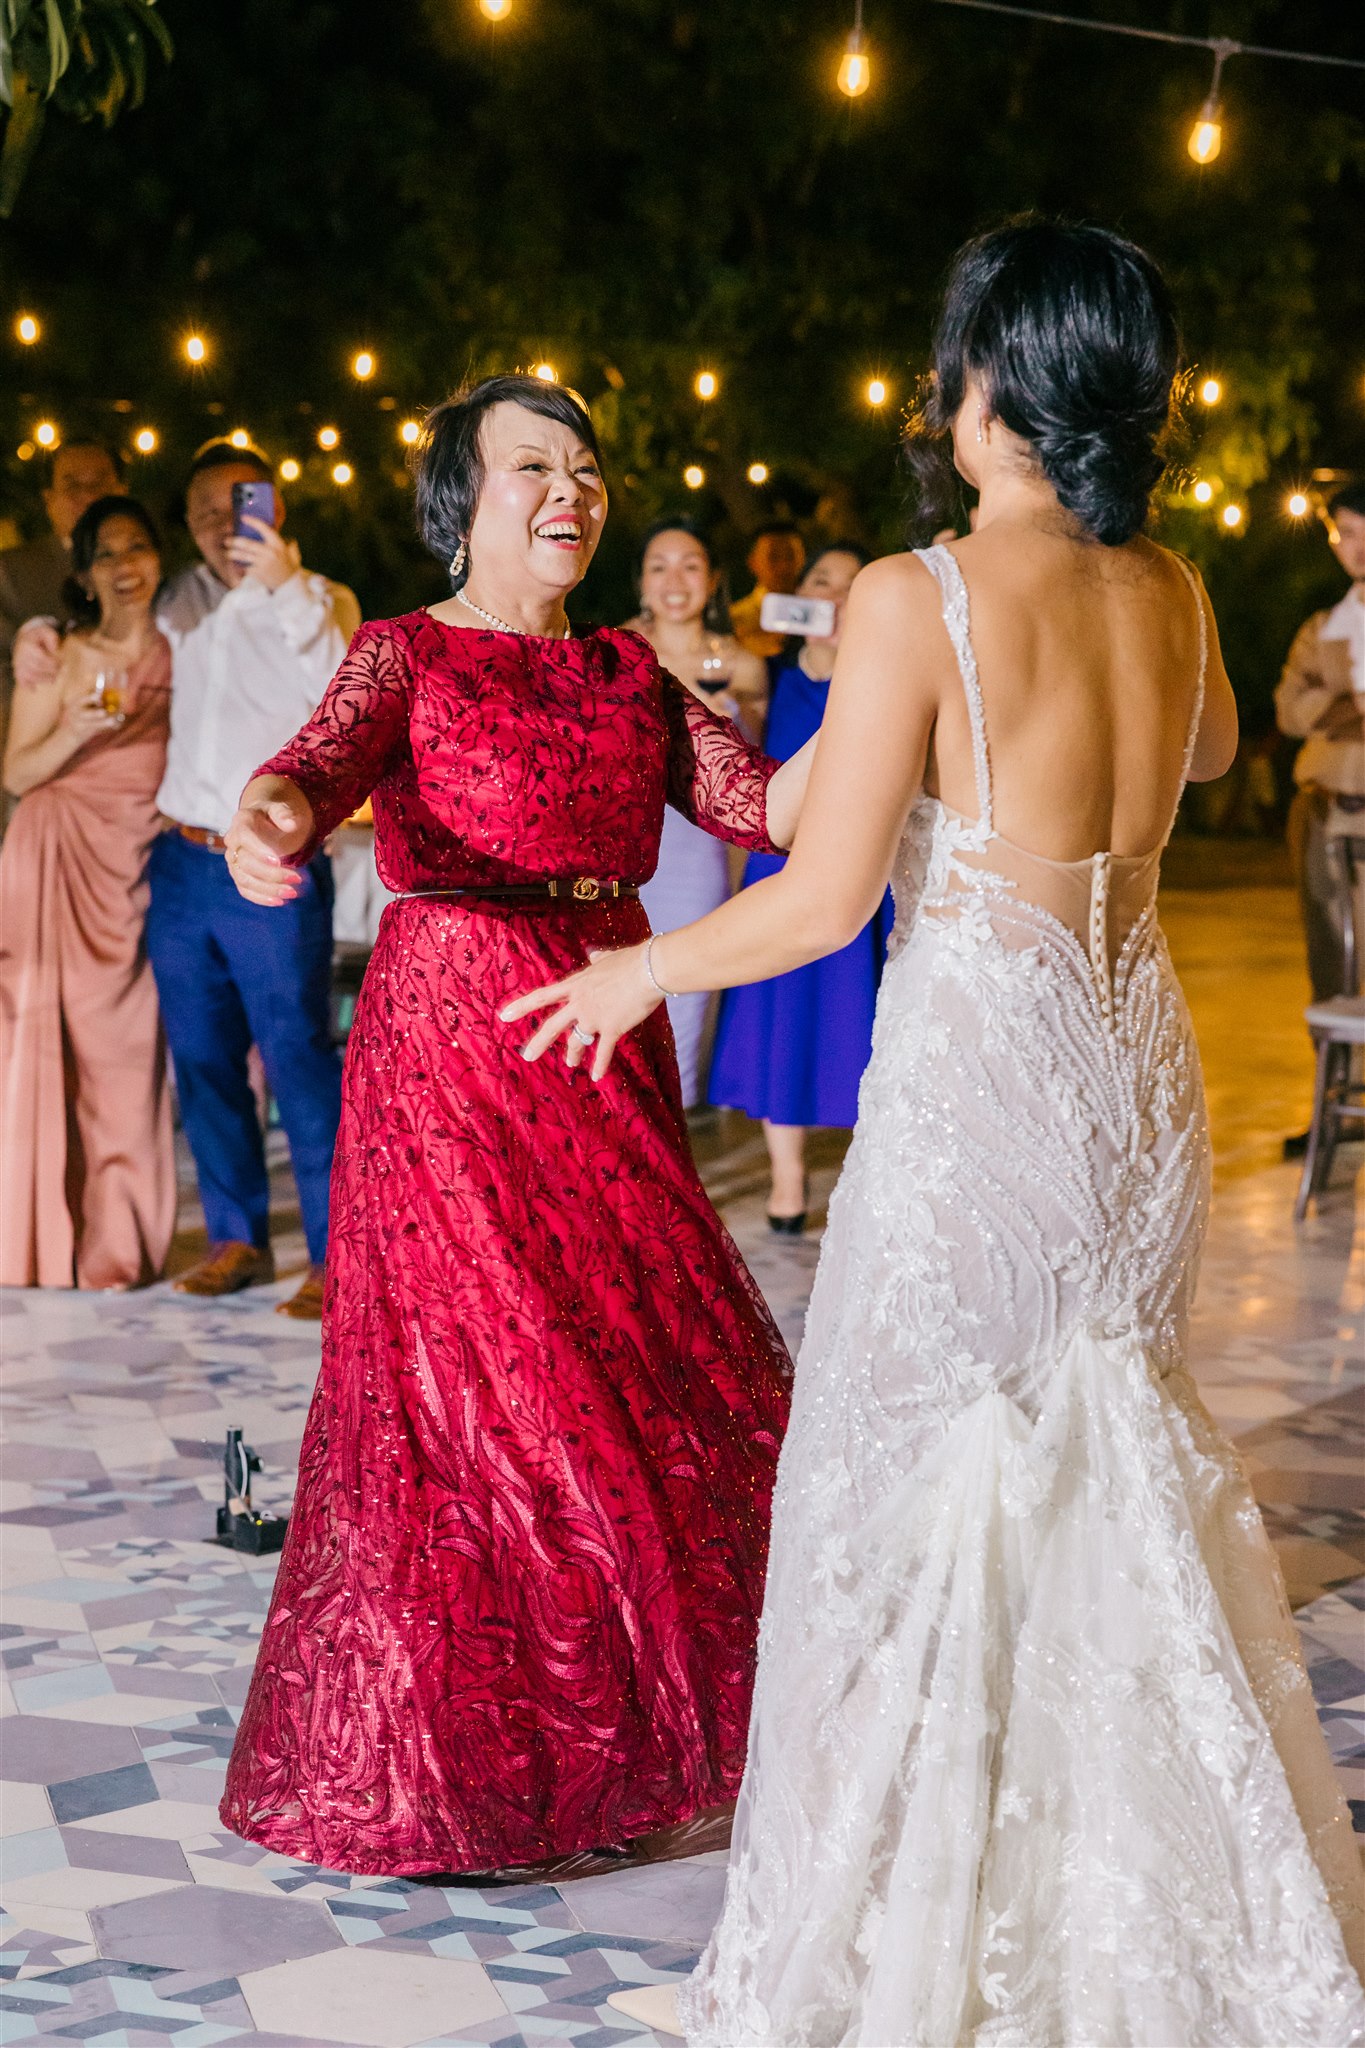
(228, 1269)
(306, 1305)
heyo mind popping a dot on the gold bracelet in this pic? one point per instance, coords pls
(653, 977)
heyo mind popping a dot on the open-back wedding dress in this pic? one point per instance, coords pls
(1033, 1762)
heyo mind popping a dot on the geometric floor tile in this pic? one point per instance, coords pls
(127, 1640)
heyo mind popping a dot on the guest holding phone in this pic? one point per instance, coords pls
(87, 1175)
(792, 1050)
(682, 615)
(255, 640)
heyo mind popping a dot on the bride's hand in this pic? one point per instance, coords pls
(275, 821)
(591, 1009)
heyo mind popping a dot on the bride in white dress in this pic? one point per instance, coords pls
(1034, 1762)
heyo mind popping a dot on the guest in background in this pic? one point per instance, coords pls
(1321, 701)
(255, 640)
(682, 617)
(792, 1050)
(775, 561)
(87, 1183)
(33, 576)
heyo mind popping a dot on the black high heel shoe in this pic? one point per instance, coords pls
(791, 1226)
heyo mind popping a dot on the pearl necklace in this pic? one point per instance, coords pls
(501, 625)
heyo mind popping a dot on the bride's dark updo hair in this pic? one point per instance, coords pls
(1071, 333)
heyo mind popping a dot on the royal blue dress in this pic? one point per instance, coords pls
(793, 1049)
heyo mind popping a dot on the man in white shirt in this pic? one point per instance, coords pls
(255, 640)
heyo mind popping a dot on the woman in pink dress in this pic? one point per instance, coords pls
(87, 1183)
(517, 1610)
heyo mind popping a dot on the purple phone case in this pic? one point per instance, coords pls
(257, 501)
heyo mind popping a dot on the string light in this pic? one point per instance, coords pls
(855, 70)
(342, 473)
(328, 437)
(1232, 515)
(876, 391)
(757, 472)
(1206, 136)
(1203, 492)
(26, 451)
(27, 329)
(694, 476)
(196, 348)
(707, 384)
(364, 365)
(547, 373)
(1296, 504)
(410, 433)
(45, 434)
(495, 10)
(290, 471)
(1210, 391)
(240, 438)
(145, 440)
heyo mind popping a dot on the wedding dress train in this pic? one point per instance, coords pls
(1033, 1760)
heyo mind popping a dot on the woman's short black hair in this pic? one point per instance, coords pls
(447, 461)
(860, 554)
(1071, 332)
(85, 540)
(1352, 499)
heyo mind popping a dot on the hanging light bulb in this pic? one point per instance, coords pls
(410, 433)
(547, 373)
(363, 365)
(1296, 504)
(196, 348)
(1206, 136)
(707, 384)
(1210, 391)
(875, 393)
(694, 476)
(855, 70)
(757, 472)
(240, 438)
(45, 434)
(1232, 516)
(145, 440)
(328, 437)
(290, 471)
(1203, 492)
(495, 10)
(27, 329)
(342, 473)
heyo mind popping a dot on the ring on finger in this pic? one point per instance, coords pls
(583, 1037)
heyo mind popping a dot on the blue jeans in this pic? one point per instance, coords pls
(229, 973)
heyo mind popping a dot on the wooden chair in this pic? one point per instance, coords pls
(1337, 1028)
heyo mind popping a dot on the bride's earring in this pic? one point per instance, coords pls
(979, 433)
(459, 561)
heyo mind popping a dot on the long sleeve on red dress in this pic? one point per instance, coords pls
(517, 1611)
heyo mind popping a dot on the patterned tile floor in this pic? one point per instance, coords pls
(131, 1918)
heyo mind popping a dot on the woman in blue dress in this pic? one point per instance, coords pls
(792, 1050)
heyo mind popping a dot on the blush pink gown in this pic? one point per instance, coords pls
(87, 1171)
(517, 1610)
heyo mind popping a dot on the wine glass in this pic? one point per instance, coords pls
(110, 691)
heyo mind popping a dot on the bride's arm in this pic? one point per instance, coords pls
(866, 771)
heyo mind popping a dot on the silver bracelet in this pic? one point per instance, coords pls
(649, 970)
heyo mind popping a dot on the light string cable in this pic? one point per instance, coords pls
(1221, 47)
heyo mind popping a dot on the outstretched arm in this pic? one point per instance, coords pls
(866, 771)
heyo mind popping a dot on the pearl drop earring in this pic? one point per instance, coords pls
(979, 435)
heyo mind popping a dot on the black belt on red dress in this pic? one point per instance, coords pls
(562, 889)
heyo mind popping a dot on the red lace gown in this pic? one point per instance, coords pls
(517, 1609)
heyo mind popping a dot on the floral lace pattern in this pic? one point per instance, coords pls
(517, 1609)
(1033, 1761)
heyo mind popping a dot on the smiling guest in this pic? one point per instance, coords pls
(87, 1183)
(516, 1615)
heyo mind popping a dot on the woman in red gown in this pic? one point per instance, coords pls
(517, 1608)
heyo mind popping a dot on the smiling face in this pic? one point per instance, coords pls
(677, 581)
(541, 510)
(125, 569)
(831, 576)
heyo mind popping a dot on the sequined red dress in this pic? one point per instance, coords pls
(517, 1608)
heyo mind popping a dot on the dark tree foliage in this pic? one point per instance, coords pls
(633, 189)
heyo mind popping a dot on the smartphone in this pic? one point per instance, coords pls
(812, 618)
(252, 501)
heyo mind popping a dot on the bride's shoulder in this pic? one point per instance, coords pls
(894, 586)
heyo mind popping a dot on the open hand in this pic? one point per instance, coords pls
(260, 840)
(591, 1010)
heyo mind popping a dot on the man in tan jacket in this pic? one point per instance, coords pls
(1321, 700)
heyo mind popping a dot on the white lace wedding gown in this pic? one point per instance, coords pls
(1034, 1762)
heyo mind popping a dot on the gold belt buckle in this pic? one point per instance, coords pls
(586, 889)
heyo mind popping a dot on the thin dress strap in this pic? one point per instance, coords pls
(1197, 716)
(944, 569)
